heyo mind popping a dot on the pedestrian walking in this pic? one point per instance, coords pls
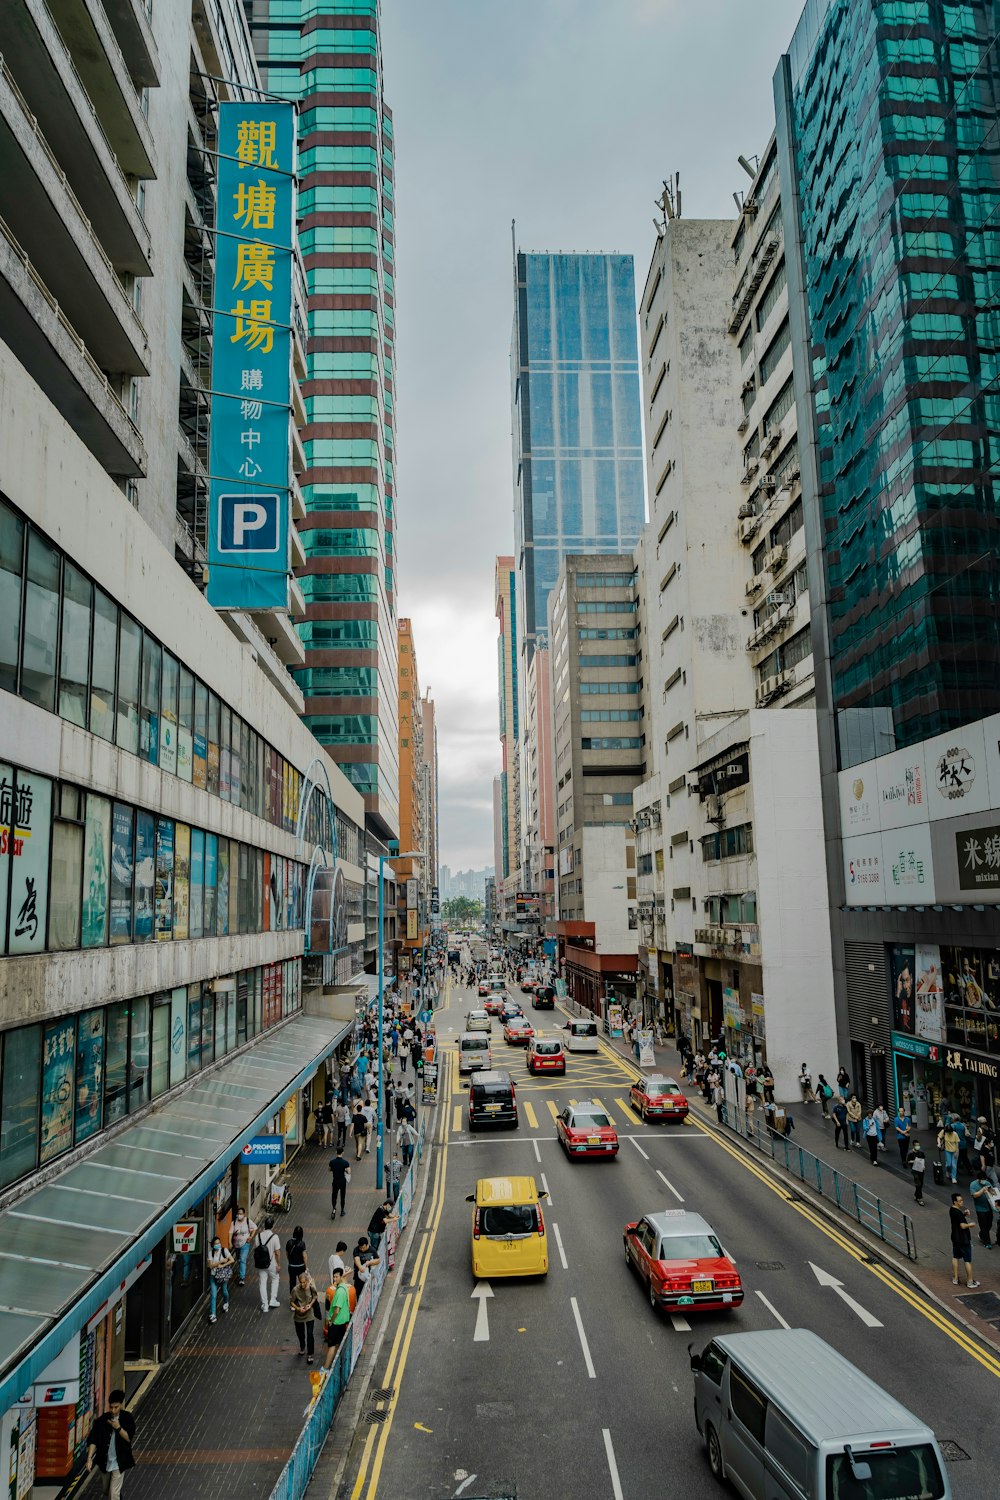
(368, 1111)
(359, 1126)
(961, 1241)
(394, 1177)
(825, 1093)
(871, 1137)
(267, 1259)
(305, 1306)
(341, 1116)
(109, 1445)
(881, 1117)
(948, 1142)
(903, 1127)
(806, 1085)
(917, 1164)
(326, 1120)
(767, 1084)
(338, 1315)
(296, 1258)
(844, 1082)
(403, 1053)
(840, 1124)
(220, 1271)
(242, 1232)
(340, 1169)
(406, 1137)
(981, 1190)
(854, 1113)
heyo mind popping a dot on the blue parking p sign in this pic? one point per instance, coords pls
(249, 523)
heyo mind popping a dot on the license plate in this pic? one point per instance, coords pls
(701, 1286)
(593, 1140)
(492, 1109)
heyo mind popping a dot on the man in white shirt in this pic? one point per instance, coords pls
(337, 1259)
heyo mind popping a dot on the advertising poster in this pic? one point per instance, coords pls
(122, 870)
(211, 879)
(267, 891)
(145, 875)
(196, 900)
(168, 741)
(200, 777)
(213, 764)
(26, 813)
(184, 753)
(182, 878)
(178, 1034)
(226, 775)
(930, 992)
(58, 1058)
(222, 920)
(96, 872)
(6, 794)
(164, 880)
(89, 1073)
(901, 966)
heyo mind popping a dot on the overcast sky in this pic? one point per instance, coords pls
(563, 115)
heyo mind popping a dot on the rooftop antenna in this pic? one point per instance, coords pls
(751, 171)
(669, 201)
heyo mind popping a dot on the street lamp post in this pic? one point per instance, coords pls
(380, 1147)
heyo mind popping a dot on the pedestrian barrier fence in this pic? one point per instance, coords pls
(295, 1476)
(890, 1224)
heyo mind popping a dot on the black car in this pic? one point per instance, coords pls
(544, 998)
(491, 1100)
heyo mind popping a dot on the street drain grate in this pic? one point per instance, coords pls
(770, 1265)
(385, 1394)
(375, 1414)
(953, 1454)
(494, 1409)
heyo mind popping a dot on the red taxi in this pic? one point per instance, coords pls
(545, 1055)
(494, 1004)
(657, 1097)
(483, 988)
(527, 984)
(678, 1256)
(585, 1130)
(517, 1031)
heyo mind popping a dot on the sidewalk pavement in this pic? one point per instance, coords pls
(894, 1184)
(223, 1415)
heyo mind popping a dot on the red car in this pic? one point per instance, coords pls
(585, 1130)
(494, 1005)
(679, 1257)
(527, 984)
(657, 1097)
(545, 1055)
(517, 1031)
(484, 988)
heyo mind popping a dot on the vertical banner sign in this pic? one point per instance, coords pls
(251, 363)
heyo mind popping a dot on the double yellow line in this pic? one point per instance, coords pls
(373, 1454)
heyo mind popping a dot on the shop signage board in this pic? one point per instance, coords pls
(251, 367)
(185, 1237)
(961, 1061)
(264, 1150)
(913, 1046)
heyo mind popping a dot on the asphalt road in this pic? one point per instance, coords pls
(582, 1389)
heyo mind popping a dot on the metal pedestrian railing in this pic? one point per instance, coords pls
(298, 1471)
(890, 1224)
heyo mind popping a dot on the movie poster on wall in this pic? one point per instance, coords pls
(58, 1058)
(902, 965)
(929, 992)
(122, 873)
(96, 872)
(145, 875)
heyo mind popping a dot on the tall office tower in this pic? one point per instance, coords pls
(413, 889)
(576, 417)
(153, 761)
(892, 275)
(537, 803)
(431, 796)
(328, 58)
(508, 668)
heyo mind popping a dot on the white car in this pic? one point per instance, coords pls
(478, 1020)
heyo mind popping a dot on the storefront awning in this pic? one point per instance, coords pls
(66, 1245)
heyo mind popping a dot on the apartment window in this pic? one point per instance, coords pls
(608, 689)
(11, 562)
(41, 623)
(769, 301)
(127, 715)
(728, 842)
(781, 405)
(746, 344)
(149, 710)
(774, 351)
(104, 666)
(74, 662)
(790, 523)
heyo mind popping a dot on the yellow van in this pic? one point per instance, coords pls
(508, 1230)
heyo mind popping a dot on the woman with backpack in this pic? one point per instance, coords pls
(825, 1093)
(267, 1262)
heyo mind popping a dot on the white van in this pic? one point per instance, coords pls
(785, 1417)
(581, 1036)
(474, 1051)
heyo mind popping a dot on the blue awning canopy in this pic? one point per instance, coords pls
(67, 1244)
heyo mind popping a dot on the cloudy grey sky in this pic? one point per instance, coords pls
(563, 115)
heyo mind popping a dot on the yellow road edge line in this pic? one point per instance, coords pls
(934, 1315)
(456, 1119)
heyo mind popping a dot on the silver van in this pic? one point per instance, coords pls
(785, 1417)
(581, 1036)
(474, 1051)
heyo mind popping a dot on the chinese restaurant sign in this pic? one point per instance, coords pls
(251, 364)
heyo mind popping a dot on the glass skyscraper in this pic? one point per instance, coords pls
(326, 55)
(889, 129)
(577, 423)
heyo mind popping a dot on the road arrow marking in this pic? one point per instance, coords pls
(483, 1291)
(421, 1428)
(825, 1279)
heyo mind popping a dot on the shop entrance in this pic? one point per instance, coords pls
(142, 1313)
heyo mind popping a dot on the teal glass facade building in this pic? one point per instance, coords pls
(326, 56)
(577, 419)
(889, 130)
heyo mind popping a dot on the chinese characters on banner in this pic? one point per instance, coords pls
(25, 824)
(251, 365)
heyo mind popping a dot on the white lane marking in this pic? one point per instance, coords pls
(545, 1185)
(464, 1485)
(773, 1310)
(680, 1324)
(825, 1279)
(483, 1291)
(616, 1486)
(644, 1154)
(583, 1340)
(538, 1154)
(670, 1186)
(559, 1247)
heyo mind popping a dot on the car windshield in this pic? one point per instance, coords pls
(897, 1474)
(690, 1247)
(475, 1044)
(656, 1086)
(581, 1121)
(509, 1218)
